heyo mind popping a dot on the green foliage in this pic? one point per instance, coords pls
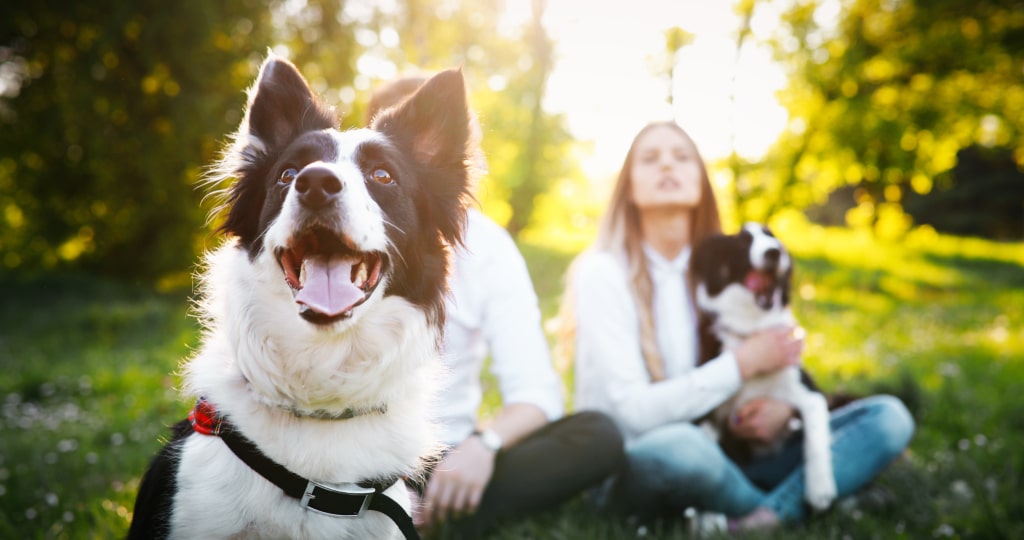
(108, 113)
(528, 150)
(982, 196)
(888, 96)
(87, 393)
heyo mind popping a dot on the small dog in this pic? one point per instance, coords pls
(322, 317)
(742, 285)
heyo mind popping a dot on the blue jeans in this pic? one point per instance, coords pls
(677, 466)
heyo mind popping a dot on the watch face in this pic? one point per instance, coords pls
(491, 440)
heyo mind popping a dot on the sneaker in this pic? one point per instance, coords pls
(705, 523)
(761, 519)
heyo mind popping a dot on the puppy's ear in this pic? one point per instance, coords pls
(435, 125)
(709, 264)
(282, 106)
(700, 258)
(787, 285)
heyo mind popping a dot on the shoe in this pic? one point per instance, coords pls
(705, 523)
(761, 519)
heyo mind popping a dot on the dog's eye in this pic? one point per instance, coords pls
(382, 177)
(288, 175)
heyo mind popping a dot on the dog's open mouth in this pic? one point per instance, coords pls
(762, 284)
(328, 276)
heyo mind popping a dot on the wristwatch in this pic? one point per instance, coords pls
(490, 439)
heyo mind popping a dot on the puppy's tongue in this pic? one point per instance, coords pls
(757, 281)
(327, 285)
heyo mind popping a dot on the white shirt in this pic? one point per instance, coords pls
(611, 375)
(493, 309)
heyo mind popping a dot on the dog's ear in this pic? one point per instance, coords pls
(282, 106)
(700, 260)
(710, 262)
(435, 125)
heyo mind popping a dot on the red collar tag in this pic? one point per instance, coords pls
(204, 418)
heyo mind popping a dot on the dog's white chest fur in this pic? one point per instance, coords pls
(391, 363)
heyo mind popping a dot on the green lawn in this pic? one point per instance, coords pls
(88, 384)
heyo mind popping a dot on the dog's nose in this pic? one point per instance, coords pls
(316, 187)
(771, 257)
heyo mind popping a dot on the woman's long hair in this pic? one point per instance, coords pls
(619, 233)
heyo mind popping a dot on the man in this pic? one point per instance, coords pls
(528, 457)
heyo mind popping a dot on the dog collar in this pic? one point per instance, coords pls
(349, 500)
(322, 414)
(319, 414)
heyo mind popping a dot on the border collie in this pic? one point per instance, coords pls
(322, 315)
(742, 285)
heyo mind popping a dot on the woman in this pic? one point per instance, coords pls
(635, 347)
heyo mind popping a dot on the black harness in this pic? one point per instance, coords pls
(347, 501)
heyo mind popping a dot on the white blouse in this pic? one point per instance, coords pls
(610, 372)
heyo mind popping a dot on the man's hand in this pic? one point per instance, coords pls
(762, 420)
(458, 483)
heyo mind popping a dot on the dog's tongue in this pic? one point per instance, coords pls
(327, 285)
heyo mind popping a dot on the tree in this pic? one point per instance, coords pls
(108, 112)
(887, 97)
(982, 196)
(506, 70)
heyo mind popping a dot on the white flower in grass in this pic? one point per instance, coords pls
(949, 369)
(67, 445)
(52, 499)
(944, 530)
(117, 439)
(85, 385)
(961, 490)
(68, 516)
(992, 487)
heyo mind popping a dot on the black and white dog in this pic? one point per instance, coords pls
(742, 285)
(322, 317)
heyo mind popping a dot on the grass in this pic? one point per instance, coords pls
(87, 387)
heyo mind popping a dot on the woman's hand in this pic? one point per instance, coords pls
(762, 420)
(770, 350)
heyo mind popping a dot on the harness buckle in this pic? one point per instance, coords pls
(346, 500)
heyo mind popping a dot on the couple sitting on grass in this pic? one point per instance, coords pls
(632, 443)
